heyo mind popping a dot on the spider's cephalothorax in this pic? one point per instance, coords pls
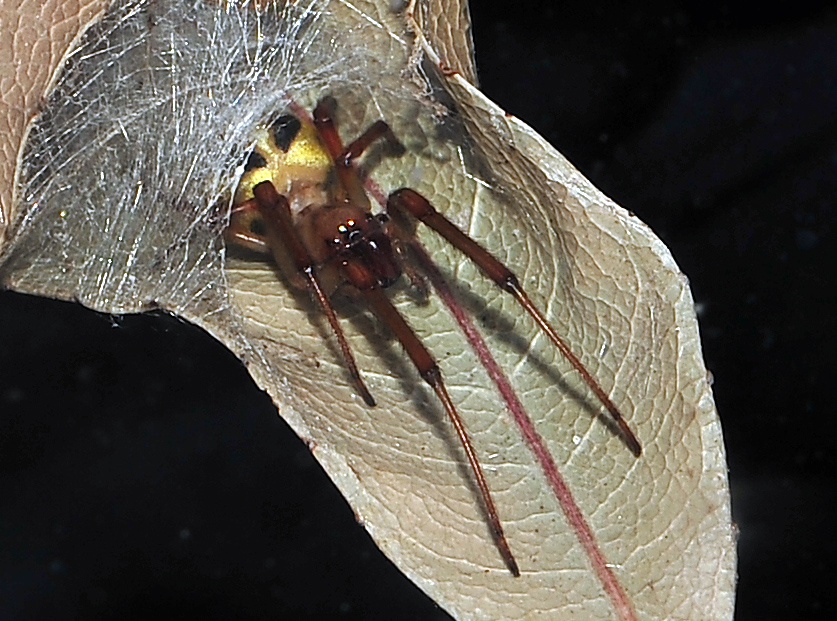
(364, 238)
(302, 200)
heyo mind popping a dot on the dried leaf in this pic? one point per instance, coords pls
(125, 214)
(42, 36)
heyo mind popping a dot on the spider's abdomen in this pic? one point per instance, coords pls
(289, 154)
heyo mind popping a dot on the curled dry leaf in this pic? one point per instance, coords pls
(125, 212)
(33, 48)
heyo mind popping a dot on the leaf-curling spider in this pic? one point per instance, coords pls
(321, 232)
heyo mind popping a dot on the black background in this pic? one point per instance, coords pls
(141, 471)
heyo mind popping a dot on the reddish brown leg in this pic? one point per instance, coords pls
(417, 279)
(407, 200)
(344, 157)
(276, 214)
(326, 128)
(359, 275)
(378, 129)
(240, 230)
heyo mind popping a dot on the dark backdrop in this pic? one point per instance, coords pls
(716, 125)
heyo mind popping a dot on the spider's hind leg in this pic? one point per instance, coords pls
(344, 157)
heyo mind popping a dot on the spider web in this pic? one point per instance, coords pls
(127, 176)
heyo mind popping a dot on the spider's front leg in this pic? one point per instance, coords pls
(407, 201)
(361, 277)
(275, 212)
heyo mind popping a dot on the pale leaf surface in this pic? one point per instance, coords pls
(124, 213)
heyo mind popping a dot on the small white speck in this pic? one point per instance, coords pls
(603, 349)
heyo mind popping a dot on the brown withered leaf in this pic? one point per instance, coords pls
(37, 39)
(606, 282)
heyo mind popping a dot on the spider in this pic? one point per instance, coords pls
(302, 200)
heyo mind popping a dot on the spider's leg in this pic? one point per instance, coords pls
(326, 128)
(346, 174)
(240, 229)
(360, 276)
(417, 278)
(276, 214)
(344, 157)
(378, 129)
(410, 201)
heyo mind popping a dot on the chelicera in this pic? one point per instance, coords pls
(302, 200)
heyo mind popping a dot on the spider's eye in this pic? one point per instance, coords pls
(284, 130)
(254, 160)
(349, 232)
(353, 230)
